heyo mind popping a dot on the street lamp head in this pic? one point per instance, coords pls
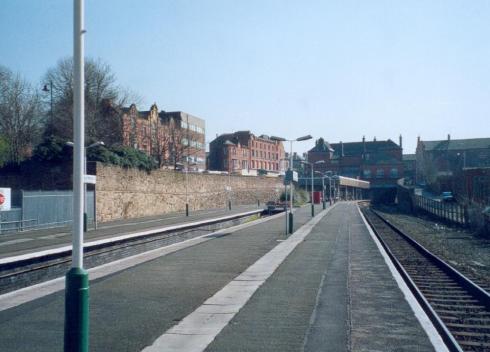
(278, 139)
(320, 162)
(304, 138)
(69, 144)
(318, 172)
(45, 88)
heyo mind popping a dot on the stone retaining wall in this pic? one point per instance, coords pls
(129, 193)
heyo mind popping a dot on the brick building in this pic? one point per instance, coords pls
(245, 153)
(379, 162)
(409, 168)
(442, 164)
(170, 137)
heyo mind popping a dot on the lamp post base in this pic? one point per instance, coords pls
(312, 210)
(291, 223)
(76, 311)
(229, 205)
(186, 209)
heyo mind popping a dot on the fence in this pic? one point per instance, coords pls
(448, 211)
(42, 209)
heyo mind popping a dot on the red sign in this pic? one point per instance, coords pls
(2, 199)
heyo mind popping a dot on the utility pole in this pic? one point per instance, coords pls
(77, 283)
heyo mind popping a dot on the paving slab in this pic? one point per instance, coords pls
(131, 308)
(333, 293)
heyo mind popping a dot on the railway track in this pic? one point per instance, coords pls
(28, 269)
(458, 308)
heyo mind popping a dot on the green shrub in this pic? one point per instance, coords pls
(300, 197)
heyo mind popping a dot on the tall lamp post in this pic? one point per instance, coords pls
(300, 139)
(323, 188)
(186, 185)
(50, 90)
(76, 330)
(328, 175)
(312, 182)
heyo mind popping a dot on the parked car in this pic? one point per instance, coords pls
(274, 207)
(447, 197)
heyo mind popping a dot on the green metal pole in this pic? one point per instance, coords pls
(312, 201)
(76, 311)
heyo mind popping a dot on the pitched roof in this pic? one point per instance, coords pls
(321, 146)
(241, 137)
(457, 144)
(357, 148)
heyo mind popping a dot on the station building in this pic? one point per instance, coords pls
(378, 162)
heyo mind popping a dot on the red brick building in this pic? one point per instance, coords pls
(243, 152)
(170, 137)
(379, 162)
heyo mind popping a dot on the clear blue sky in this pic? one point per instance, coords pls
(337, 69)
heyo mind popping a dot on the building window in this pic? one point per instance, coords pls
(394, 173)
(367, 173)
(380, 173)
(244, 164)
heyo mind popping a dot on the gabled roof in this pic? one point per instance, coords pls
(321, 146)
(457, 144)
(357, 148)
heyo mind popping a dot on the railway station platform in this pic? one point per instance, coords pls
(327, 287)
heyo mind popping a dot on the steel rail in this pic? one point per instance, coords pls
(458, 307)
(441, 328)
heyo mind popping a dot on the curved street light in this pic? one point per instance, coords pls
(299, 139)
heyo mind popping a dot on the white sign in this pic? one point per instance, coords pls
(90, 179)
(5, 202)
(295, 176)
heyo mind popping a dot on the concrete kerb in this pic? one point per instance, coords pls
(196, 331)
(27, 294)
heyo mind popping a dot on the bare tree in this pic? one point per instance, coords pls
(102, 99)
(20, 115)
(182, 147)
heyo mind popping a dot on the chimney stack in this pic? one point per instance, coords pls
(374, 139)
(401, 146)
(448, 137)
(341, 149)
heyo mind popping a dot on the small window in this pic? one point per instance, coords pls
(394, 173)
(380, 173)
